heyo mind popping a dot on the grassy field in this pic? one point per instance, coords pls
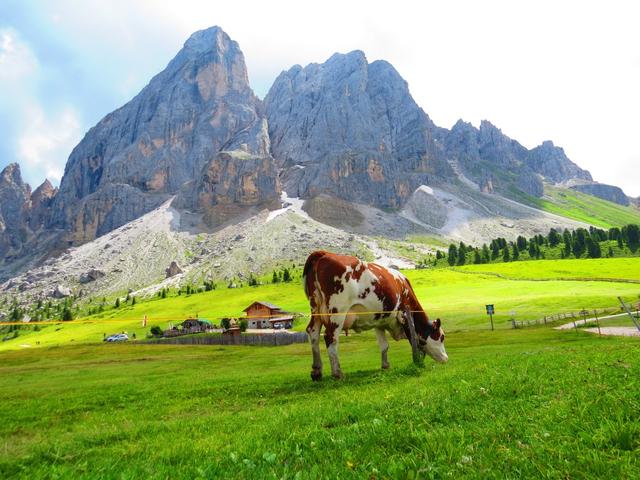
(594, 268)
(532, 403)
(586, 208)
(457, 295)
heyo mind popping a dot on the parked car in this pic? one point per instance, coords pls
(118, 337)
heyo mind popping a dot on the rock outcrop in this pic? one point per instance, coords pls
(140, 154)
(606, 192)
(351, 129)
(173, 270)
(491, 159)
(14, 209)
(91, 276)
(22, 213)
(552, 163)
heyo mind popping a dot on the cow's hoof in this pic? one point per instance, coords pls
(338, 375)
(386, 366)
(316, 375)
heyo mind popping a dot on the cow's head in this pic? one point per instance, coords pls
(433, 345)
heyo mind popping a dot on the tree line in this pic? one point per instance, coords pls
(580, 243)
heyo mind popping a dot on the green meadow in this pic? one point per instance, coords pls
(533, 403)
(585, 208)
(529, 289)
(526, 403)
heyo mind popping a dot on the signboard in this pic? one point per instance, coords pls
(490, 310)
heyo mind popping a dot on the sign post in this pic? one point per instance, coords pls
(490, 312)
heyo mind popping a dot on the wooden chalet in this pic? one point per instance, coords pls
(267, 315)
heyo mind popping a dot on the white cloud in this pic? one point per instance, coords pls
(16, 59)
(563, 71)
(45, 143)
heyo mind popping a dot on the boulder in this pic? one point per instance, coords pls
(173, 270)
(91, 276)
(61, 292)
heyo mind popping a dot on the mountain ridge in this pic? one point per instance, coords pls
(345, 128)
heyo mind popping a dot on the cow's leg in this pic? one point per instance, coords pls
(313, 329)
(384, 347)
(331, 336)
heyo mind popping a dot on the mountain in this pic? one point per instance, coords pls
(22, 213)
(351, 129)
(337, 150)
(171, 133)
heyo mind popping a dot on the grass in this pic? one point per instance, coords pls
(532, 403)
(458, 296)
(614, 268)
(585, 208)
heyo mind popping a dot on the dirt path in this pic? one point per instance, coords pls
(618, 331)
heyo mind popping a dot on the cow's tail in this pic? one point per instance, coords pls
(308, 276)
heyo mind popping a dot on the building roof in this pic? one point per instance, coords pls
(270, 306)
(281, 319)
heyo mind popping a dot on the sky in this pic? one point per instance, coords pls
(566, 71)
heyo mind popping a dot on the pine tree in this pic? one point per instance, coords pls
(453, 255)
(593, 248)
(117, 304)
(462, 254)
(516, 253)
(274, 277)
(67, 314)
(495, 250)
(476, 257)
(486, 256)
(631, 234)
(286, 275)
(505, 254)
(554, 237)
(521, 242)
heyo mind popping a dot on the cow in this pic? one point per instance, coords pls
(346, 293)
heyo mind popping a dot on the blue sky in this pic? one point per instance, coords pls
(564, 71)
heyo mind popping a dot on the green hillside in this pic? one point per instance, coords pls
(585, 208)
(530, 403)
(455, 295)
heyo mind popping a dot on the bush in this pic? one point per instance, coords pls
(67, 314)
(243, 325)
(156, 330)
(226, 323)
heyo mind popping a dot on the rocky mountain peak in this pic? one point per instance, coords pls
(351, 129)
(209, 39)
(11, 175)
(45, 191)
(140, 154)
(551, 162)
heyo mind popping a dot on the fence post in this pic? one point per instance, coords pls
(595, 313)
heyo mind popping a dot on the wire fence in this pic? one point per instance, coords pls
(260, 339)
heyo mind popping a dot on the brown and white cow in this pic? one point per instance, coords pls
(348, 293)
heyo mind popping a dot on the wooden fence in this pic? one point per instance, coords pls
(567, 316)
(266, 339)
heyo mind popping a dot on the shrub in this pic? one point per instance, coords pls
(243, 325)
(156, 330)
(67, 314)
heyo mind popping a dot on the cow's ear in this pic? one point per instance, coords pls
(437, 323)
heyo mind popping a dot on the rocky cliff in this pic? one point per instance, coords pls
(552, 163)
(345, 129)
(351, 129)
(606, 192)
(140, 154)
(491, 159)
(22, 213)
